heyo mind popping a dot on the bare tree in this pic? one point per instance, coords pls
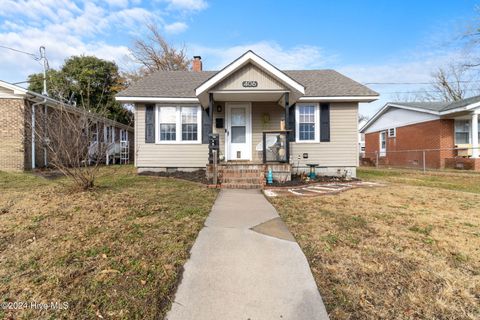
(71, 138)
(451, 83)
(362, 117)
(155, 53)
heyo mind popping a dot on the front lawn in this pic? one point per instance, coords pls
(115, 252)
(410, 250)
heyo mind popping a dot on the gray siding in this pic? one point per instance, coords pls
(341, 151)
(151, 155)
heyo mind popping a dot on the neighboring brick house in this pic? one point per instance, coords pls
(16, 146)
(443, 134)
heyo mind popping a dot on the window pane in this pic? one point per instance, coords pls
(168, 132)
(462, 138)
(189, 132)
(189, 115)
(238, 134)
(307, 131)
(168, 115)
(238, 117)
(307, 114)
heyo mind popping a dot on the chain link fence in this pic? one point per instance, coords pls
(423, 159)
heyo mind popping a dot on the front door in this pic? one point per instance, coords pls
(238, 134)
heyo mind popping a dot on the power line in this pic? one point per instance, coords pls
(20, 51)
(415, 83)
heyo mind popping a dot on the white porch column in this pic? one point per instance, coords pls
(474, 126)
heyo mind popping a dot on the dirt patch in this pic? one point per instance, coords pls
(195, 176)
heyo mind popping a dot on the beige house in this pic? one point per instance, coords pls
(263, 118)
(23, 148)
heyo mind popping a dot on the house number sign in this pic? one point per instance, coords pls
(249, 84)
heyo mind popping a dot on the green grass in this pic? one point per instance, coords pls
(451, 180)
(115, 252)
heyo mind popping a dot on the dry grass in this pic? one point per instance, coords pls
(400, 252)
(116, 252)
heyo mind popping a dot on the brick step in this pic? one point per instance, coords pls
(242, 175)
(255, 180)
(241, 186)
(240, 170)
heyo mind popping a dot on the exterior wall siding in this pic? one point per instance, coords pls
(436, 134)
(152, 155)
(341, 150)
(250, 72)
(12, 148)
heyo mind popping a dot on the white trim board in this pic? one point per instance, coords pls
(157, 99)
(338, 98)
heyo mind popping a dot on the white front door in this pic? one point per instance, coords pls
(238, 133)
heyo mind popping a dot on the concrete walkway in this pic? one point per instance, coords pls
(245, 265)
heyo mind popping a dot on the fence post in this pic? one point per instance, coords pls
(424, 165)
(215, 167)
(376, 159)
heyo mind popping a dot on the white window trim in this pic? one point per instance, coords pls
(178, 125)
(317, 123)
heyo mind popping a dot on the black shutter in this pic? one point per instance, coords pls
(149, 123)
(291, 122)
(206, 125)
(324, 122)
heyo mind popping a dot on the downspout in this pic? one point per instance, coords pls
(33, 129)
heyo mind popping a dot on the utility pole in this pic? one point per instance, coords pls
(45, 68)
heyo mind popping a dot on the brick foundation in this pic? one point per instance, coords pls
(463, 163)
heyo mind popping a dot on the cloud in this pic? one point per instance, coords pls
(176, 27)
(187, 5)
(297, 57)
(68, 27)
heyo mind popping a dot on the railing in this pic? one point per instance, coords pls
(276, 147)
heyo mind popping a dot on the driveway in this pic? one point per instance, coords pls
(246, 265)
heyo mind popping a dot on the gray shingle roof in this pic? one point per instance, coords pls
(430, 106)
(462, 103)
(182, 84)
(440, 106)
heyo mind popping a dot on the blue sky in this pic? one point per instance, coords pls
(370, 41)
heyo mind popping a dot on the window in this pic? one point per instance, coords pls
(94, 132)
(383, 144)
(123, 135)
(392, 132)
(109, 134)
(179, 124)
(462, 131)
(168, 123)
(307, 121)
(189, 123)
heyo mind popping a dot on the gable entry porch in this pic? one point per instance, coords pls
(250, 116)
